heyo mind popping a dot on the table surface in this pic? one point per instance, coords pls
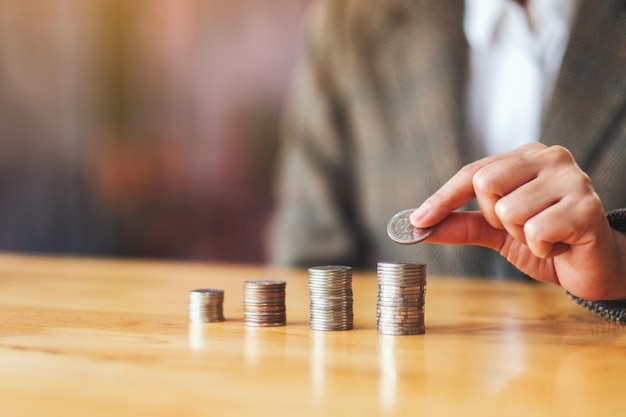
(98, 337)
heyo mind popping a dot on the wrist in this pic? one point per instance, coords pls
(617, 221)
(612, 309)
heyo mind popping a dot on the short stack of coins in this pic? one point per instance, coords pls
(401, 293)
(206, 305)
(330, 290)
(264, 303)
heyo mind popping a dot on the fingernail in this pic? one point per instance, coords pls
(419, 215)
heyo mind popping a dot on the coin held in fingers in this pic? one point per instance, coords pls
(402, 231)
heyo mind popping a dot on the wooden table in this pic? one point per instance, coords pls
(85, 337)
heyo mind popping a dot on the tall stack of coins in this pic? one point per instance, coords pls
(330, 289)
(264, 303)
(206, 305)
(401, 293)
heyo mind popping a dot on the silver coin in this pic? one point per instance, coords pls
(265, 324)
(333, 327)
(325, 270)
(400, 318)
(265, 282)
(401, 265)
(317, 312)
(402, 332)
(402, 231)
(203, 294)
(406, 290)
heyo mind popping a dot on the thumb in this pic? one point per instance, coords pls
(467, 228)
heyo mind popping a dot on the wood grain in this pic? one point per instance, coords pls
(98, 337)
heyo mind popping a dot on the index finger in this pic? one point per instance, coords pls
(459, 190)
(455, 193)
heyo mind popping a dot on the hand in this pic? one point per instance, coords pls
(539, 210)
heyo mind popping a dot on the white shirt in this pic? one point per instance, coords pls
(515, 56)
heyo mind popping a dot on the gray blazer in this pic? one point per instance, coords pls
(375, 124)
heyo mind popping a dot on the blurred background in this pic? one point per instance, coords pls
(142, 127)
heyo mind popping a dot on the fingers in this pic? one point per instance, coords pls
(460, 189)
(511, 193)
(530, 193)
(493, 185)
(574, 220)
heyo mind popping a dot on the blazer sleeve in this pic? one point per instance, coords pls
(610, 309)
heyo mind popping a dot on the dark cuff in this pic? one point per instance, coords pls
(609, 309)
(617, 219)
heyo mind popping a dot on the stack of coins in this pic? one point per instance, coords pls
(330, 289)
(206, 305)
(264, 303)
(401, 293)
